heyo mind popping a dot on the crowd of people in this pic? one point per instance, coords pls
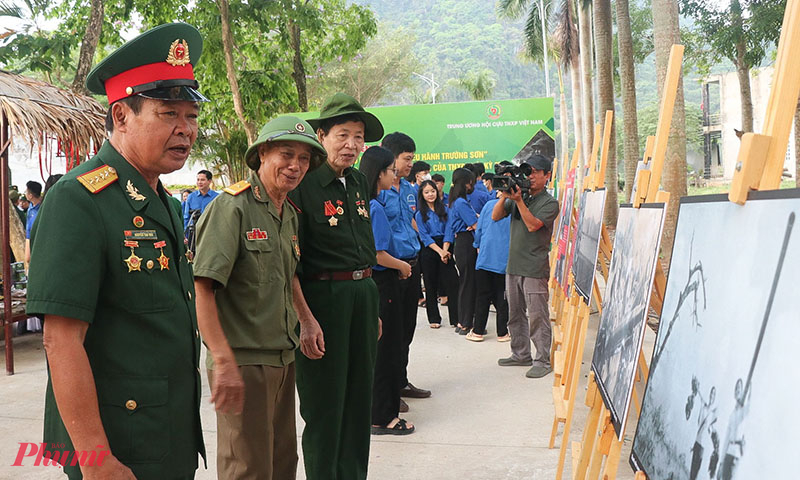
(307, 275)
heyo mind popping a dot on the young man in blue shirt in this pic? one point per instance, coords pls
(200, 198)
(400, 203)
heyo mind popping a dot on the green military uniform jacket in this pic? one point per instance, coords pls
(251, 251)
(528, 254)
(143, 344)
(337, 240)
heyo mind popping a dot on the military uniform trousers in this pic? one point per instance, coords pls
(336, 391)
(261, 443)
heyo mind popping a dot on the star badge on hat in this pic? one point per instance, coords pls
(178, 53)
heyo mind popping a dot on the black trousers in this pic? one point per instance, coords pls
(386, 387)
(441, 279)
(491, 288)
(466, 255)
(407, 307)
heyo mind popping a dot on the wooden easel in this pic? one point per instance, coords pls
(761, 156)
(567, 359)
(600, 447)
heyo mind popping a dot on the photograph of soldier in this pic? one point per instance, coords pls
(729, 323)
(110, 276)
(625, 306)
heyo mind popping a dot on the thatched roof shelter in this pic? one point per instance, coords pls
(34, 108)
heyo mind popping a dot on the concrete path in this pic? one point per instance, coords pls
(483, 421)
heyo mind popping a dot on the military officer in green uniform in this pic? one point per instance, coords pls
(339, 330)
(110, 276)
(247, 254)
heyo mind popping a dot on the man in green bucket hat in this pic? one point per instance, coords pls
(247, 254)
(110, 275)
(339, 330)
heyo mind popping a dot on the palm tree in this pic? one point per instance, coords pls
(565, 37)
(666, 32)
(605, 86)
(535, 27)
(628, 84)
(478, 84)
(585, 36)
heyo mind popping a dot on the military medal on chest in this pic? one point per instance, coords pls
(296, 245)
(362, 208)
(163, 260)
(133, 262)
(331, 212)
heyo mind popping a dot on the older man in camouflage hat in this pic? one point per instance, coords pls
(110, 276)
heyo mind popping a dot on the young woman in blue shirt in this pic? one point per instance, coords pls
(462, 220)
(436, 259)
(377, 164)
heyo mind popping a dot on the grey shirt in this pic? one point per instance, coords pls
(528, 253)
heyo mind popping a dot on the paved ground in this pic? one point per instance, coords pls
(482, 422)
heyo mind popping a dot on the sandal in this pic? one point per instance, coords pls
(504, 338)
(436, 325)
(399, 428)
(474, 337)
(421, 303)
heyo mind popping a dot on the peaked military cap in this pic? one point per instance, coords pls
(288, 129)
(342, 104)
(156, 64)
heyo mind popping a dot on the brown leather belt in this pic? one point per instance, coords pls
(343, 276)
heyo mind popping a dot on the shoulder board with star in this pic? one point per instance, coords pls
(99, 178)
(237, 188)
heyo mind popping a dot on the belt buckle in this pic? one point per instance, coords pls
(358, 274)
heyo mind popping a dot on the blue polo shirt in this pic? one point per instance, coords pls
(434, 227)
(382, 231)
(479, 196)
(196, 201)
(492, 238)
(461, 216)
(399, 205)
(30, 217)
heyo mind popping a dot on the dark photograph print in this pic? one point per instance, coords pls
(564, 228)
(587, 244)
(625, 306)
(721, 402)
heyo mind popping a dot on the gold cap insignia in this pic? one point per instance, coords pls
(178, 53)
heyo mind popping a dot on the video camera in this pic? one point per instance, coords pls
(502, 181)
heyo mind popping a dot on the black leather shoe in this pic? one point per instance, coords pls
(411, 391)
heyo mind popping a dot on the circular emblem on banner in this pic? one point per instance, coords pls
(493, 111)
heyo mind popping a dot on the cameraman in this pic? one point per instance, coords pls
(532, 216)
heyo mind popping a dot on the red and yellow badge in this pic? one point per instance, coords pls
(138, 221)
(296, 245)
(163, 260)
(329, 208)
(178, 53)
(133, 262)
(256, 234)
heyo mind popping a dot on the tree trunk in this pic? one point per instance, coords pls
(742, 67)
(577, 102)
(605, 82)
(797, 145)
(299, 72)
(88, 46)
(628, 84)
(564, 120)
(666, 32)
(230, 68)
(585, 34)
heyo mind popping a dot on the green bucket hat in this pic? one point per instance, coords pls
(287, 129)
(343, 104)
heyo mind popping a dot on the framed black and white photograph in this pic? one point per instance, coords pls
(564, 229)
(625, 307)
(587, 243)
(721, 400)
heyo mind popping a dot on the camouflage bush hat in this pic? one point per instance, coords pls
(342, 104)
(286, 128)
(157, 64)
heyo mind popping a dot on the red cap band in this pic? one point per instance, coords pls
(116, 86)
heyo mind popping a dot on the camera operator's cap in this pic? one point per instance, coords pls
(539, 162)
(342, 104)
(287, 129)
(156, 64)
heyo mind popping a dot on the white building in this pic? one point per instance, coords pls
(722, 116)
